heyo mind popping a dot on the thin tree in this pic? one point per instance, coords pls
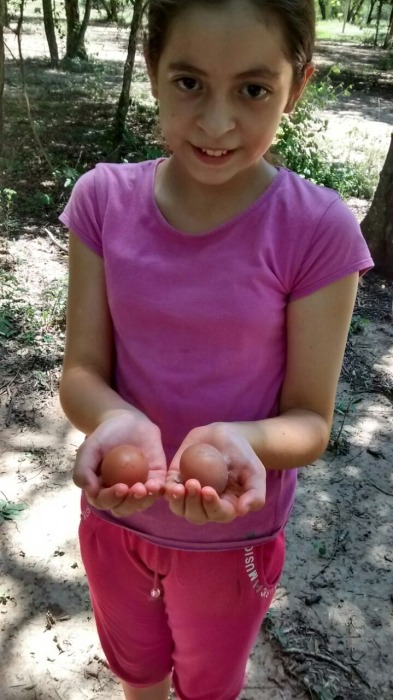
(377, 226)
(379, 15)
(49, 24)
(370, 12)
(111, 8)
(76, 30)
(389, 34)
(119, 124)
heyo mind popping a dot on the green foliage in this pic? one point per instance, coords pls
(358, 324)
(67, 176)
(10, 511)
(7, 197)
(319, 547)
(81, 65)
(40, 324)
(300, 147)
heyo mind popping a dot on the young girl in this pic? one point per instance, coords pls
(210, 299)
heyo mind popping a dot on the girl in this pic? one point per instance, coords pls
(209, 302)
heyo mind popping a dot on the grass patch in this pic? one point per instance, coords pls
(332, 30)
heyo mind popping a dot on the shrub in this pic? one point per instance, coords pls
(299, 146)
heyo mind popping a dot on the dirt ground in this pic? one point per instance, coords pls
(329, 634)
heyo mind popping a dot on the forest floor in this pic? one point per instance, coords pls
(329, 633)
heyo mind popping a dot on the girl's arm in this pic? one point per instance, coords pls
(85, 393)
(317, 329)
(89, 400)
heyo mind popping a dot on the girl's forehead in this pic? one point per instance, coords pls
(233, 35)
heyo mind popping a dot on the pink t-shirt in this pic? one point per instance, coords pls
(200, 321)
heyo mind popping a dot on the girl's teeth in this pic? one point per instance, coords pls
(217, 154)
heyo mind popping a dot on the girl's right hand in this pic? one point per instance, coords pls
(125, 428)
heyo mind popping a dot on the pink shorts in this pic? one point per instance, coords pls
(193, 614)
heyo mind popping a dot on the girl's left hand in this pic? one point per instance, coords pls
(246, 486)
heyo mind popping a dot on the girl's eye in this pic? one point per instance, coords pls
(188, 84)
(256, 92)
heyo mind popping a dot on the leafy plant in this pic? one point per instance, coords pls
(10, 510)
(299, 144)
(320, 547)
(7, 196)
(358, 325)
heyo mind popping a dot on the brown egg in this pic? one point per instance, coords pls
(124, 464)
(205, 463)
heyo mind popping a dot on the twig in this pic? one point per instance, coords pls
(387, 493)
(8, 384)
(18, 34)
(15, 59)
(9, 411)
(55, 241)
(315, 655)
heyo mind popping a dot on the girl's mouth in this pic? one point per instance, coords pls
(216, 154)
(213, 156)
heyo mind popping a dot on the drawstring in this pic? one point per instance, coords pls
(155, 591)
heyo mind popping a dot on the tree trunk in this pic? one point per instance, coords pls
(346, 14)
(379, 14)
(355, 10)
(49, 24)
(2, 73)
(370, 14)
(124, 99)
(389, 33)
(377, 226)
(111, 10)
(322, 7)
(76, 30)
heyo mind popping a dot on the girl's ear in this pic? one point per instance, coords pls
(298, 89)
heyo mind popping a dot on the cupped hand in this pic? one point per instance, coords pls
(125, 428)
(246, 488)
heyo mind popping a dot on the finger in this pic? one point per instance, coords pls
(216, 508)
(250, 501)
(194, 510)
(133, 504)
(106, 499)
(88, 456)
(176, 500)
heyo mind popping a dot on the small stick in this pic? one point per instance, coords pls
(8, 384)
(56, 242)
(315, 655)
(387, 493)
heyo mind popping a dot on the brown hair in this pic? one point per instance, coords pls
(295, 17)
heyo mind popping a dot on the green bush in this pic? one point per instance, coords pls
(299, 146)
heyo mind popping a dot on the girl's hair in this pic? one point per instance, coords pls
(295, 17)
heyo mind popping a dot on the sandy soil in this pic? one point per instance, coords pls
(330, 630)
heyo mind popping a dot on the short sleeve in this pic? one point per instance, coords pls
(81, 214)
(336, 249)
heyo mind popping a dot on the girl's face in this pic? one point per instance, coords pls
(223, 83)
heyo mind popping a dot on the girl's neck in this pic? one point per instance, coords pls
(195, 208)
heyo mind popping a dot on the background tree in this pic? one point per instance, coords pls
(389, 34)
(124, 99)
(111, 8)
(50, 32)
(377, 226)
(76, 30)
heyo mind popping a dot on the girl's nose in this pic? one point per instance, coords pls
(216, 118)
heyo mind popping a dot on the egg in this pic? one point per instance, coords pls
(124, 464)
(205, 463)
